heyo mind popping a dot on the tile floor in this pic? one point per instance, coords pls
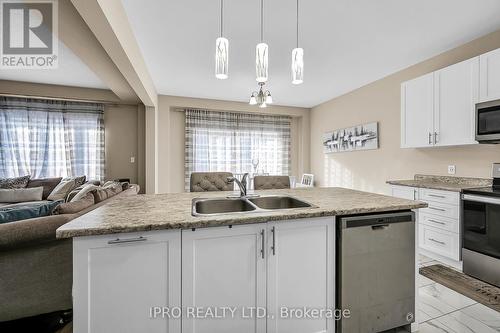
(444, 310)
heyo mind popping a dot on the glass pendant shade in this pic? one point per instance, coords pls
(298, 65)
(221, 58)
(261, 62)
(253, 100)
(269, 99)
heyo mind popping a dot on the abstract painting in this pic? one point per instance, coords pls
(361, 137)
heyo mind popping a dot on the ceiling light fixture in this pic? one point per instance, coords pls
(262, 98)
(221, 50)
(297, 57)
(261, 51)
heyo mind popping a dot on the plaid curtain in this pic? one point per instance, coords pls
(48, 138)
(230, 141)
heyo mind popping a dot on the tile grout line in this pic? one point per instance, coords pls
(449, 313)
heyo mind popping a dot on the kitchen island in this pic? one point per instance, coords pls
(146, 264)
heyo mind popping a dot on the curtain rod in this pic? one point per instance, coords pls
(183, 109)
(64, 99)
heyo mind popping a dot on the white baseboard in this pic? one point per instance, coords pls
(447, 261)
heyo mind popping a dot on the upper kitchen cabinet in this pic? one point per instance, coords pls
(437, 109)
(417, 107)
(455, 96)
(489, 76)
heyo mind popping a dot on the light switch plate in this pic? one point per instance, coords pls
(451, 169)
(132, 159)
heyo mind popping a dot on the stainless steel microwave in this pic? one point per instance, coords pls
(488, 122)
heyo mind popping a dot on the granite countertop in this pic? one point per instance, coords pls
(445, 183)
(173, 211)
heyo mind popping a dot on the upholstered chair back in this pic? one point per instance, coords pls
(271, 182)
(210, 181)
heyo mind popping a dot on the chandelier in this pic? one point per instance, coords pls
(262, 98)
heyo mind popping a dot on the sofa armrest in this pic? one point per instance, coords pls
(31, 231)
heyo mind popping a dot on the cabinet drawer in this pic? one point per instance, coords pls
(444, 210)
(441, 242)
(439, 222)
(446, 197)
(404, 192)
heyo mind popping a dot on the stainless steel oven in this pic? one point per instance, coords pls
(488, 122)
(481, 230)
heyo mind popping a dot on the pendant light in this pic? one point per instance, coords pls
(221, 50)
(297, 57)
(261, 51)
(263, 98)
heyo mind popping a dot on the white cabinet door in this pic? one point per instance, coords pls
(417, 104)
(224, 267)
(301, 259)
(490, 76)
(404, 192)
(455, 96)
(118, 278)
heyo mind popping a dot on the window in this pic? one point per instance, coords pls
(236, 142)
(47, 138)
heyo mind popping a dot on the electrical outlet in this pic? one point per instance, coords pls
(451, 169)
(132, 159)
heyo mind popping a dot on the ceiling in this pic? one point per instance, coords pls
(347, 43)
(70, 72)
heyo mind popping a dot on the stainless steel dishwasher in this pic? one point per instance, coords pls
(375, 274)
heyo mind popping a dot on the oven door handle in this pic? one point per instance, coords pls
(479, 198)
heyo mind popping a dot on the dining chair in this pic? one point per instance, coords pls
(210, 181)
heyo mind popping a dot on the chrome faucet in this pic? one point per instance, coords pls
(241, 184)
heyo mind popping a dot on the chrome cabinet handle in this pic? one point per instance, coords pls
(438, 222)
(273, 230)
(436, 241)
(439, 209)
(436, 138)
(437, 196)
(127, 240)
(263, 243)
(430, 138)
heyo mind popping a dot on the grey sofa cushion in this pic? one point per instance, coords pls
(48, 184)
(210, 181)
(76, 206)
(271, 182)
(21, 194)
(17, 182)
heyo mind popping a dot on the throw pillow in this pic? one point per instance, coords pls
(79, 180)
(18, 182)
(21, 194)
(113, 187)
(83, 192)
(99, 195)
(76, 206)
(48, 184)
(62, 189)
(27, 212)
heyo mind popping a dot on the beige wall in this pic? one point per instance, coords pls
(380, 101)
(124, 124)
(170, 127)
(122, 142)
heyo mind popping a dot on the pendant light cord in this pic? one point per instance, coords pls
(261, 21)
(221, 17)
(297, 23)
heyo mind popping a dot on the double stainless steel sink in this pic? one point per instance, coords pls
(212, 206)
